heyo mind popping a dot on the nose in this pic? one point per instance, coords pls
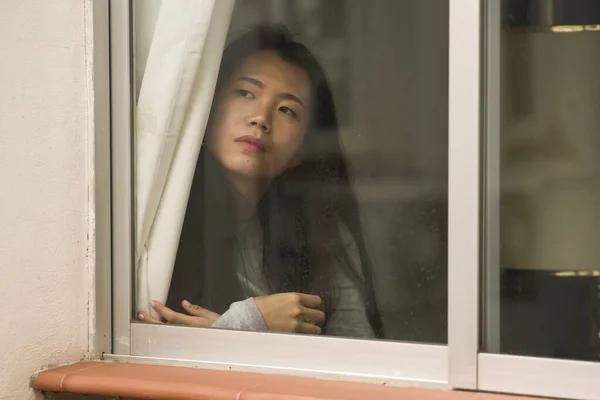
(263, 127)
(261, 120)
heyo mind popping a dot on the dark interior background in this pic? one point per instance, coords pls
(387, 61)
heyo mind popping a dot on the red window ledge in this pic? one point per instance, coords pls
(144, 381)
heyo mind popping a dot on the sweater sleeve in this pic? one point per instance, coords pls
(242, 315)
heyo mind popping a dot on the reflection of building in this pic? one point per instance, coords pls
(550, 180)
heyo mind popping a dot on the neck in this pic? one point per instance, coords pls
(248, 193)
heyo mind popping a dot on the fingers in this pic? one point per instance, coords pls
(305, 327)
(198, 311)
(148, 318)
(178, 318)
(310, 300)
(164, 311)
(315, 317)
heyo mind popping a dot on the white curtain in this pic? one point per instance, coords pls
(175, 94)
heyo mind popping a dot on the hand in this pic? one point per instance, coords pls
(198, 316)
(291, 312)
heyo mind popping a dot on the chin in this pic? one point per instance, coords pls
(247, 167)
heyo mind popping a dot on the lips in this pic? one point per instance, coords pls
(252, 143)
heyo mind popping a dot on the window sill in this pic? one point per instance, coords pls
(144, 381)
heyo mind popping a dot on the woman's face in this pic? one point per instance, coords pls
(261, 117)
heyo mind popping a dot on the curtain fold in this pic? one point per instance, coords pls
(174, 102)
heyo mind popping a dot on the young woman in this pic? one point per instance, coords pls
(272, 239)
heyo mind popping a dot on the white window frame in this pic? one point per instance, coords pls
(375, 361)
(342, 358)
(473, 88)
(100, 193)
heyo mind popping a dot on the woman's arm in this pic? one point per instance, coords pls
(242, 315)
(281, 312)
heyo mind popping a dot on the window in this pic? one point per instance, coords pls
(542, 221)
(424, 173)
(261, 161)
(330, 184)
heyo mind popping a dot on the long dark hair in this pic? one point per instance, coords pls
(300, 214)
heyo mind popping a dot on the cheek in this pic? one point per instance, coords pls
(289, 141)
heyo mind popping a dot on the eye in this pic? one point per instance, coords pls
(288, 111)
(245, 93)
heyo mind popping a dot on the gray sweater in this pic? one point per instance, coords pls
(347, 316)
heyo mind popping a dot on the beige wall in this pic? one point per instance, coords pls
(44, 169)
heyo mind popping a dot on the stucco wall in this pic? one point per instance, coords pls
(44, 277)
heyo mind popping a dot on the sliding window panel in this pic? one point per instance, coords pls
(288, 175)
(542, 286)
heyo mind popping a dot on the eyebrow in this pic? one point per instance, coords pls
(287, 96)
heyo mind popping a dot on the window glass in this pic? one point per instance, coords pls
(309, 195)
(547, 171)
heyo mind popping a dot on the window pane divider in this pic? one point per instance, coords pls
(464, 171)
(491, 150)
